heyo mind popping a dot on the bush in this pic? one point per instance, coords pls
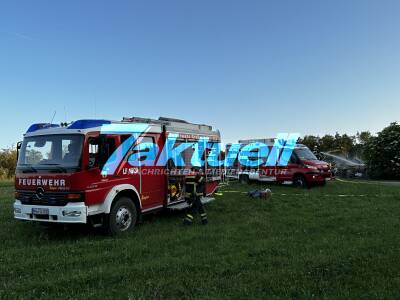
(382, 153)
(8, 161)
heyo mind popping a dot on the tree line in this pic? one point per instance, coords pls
(349, 146)
(380, 152)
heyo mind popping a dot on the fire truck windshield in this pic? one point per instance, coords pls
(305, 154)
(51, 152)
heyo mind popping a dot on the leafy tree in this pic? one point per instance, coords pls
(310, 141)
(382, 153)
(363, 137)
(8, 161)
(328, 143)
(344, 143)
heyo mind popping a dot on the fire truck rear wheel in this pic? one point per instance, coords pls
(122, 217)
(300, 181)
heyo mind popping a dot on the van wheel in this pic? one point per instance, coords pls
(244, 179)
(299, 181)
(122, 217)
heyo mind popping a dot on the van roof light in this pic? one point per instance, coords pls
(83, 124)
(39, 126)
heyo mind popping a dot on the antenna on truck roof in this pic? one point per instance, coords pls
(54, 114)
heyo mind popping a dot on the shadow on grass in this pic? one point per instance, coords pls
(70, 232)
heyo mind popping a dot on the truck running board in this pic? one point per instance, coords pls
(183, 205)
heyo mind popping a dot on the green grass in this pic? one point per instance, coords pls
(302, 244)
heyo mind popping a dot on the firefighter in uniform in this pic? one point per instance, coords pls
(194, 188)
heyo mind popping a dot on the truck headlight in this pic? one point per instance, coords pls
(17, 210)
(311, 167)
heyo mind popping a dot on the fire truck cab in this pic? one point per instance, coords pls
(59, 176)
(304, 169)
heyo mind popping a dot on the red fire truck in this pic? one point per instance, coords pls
(59, 175)
(303, 169)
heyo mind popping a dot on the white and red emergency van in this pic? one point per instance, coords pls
(59, 175)
(304, 169)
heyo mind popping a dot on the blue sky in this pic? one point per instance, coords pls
(250, 68)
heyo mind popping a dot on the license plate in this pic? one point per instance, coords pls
(40, 211)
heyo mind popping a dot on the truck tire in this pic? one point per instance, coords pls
(244, 179)
(300, 181)
(122, 217)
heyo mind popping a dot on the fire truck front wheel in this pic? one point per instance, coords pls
(122, 217)
(300, 181)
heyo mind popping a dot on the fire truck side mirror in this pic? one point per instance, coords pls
(19, 144)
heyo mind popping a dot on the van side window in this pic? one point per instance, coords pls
(294, 159)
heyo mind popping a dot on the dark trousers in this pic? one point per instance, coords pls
(195, 206)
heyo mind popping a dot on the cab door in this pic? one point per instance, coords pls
(153, 178)
(98, 149)
(286, 173)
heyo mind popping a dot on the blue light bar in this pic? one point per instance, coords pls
(39, 126)
(83, 124)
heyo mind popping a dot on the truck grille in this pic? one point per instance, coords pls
(48, 198)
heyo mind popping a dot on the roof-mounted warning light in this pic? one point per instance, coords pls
(39, 126)
(83, 124)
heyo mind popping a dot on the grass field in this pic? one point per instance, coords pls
(341, 240)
